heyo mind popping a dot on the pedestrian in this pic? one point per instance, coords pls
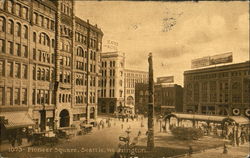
(19, 138)
(98, 126)
(190, 150)
(225, 149)
(12, 140)
(127, 119)
(122, 126)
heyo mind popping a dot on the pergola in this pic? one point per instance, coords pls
(195, 118)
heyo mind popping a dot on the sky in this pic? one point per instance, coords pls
(175, 32)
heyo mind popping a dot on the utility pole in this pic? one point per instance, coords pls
(150, 142)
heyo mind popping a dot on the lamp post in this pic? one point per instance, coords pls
(150, 142)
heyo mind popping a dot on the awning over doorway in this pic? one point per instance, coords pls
(17, 119)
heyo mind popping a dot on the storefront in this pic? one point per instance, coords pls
(13, 123)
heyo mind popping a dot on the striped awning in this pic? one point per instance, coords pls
(17, 119)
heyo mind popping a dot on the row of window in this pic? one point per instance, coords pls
(42, 21)
(42, 96)
(79, 97)
(81, 79)
(65, 77)
(43, 56)
(220, 75)
(14, 28)
(80, 52)
(64, 98)
(13, 69)
(15, 8)
(13, 96)
(65, 61)
(66, 9)
(43, 74)
(19, 50)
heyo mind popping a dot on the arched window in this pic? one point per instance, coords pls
(2, 24)
(10, 27)
(18, 29)
(25, 32)
(10, 6)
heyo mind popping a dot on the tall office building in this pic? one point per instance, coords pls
(48, 64)
(111, 92)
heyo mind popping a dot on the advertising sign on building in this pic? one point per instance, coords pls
(212, 60)
(200, 62)
(221, 58)
(165, 79)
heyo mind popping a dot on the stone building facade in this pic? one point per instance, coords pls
(220, 90)
(49, 63)
(133, 77)
(167, 98)
(111, 92)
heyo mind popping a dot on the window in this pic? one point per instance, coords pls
(38, 98)
(34, 97)
(18, 10)
(25, 51)
(25, 13)
(47, 74)
(34, 53)
(24, 96)
(39, 74)
(17, 96)
(25, 32)
(1, 68)
(35, 18)
(40, 20)
(17, 70)
(10, 27)
(9, 96)
(25, 71)
(18, 29)
(10, 6)
(2, 24)
(46, 97)
(10, 47)
(2, 3)
(34, 73)
(2, 46)
(9, 70)
(52, 25)
(18, 49)
(1, 95)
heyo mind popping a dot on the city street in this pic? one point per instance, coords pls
(103, 143)
(99, 143)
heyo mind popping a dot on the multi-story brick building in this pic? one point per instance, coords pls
(111, 92)
(49, 63)
(131, 78)
(167, 98)
(220, 90)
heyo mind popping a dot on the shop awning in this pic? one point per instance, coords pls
(17, 119)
